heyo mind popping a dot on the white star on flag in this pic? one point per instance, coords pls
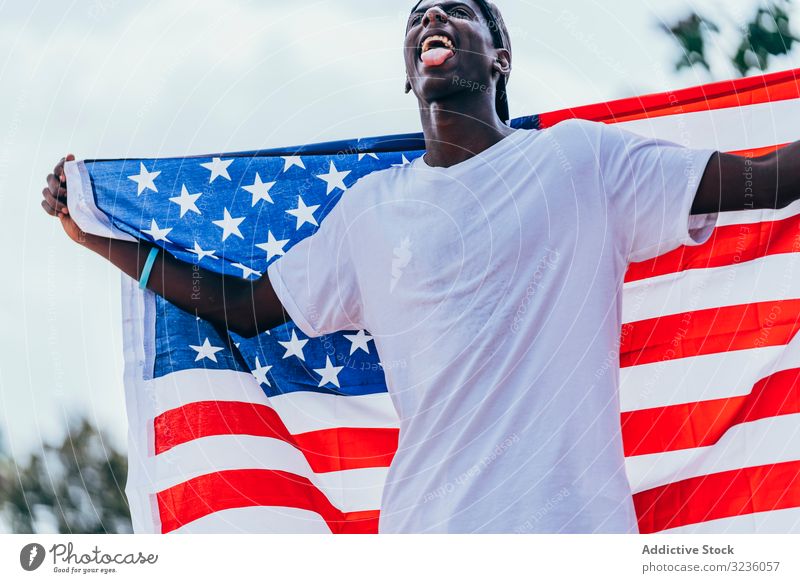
(294, 347)
(187, 201)
(259, 190)
(290, 161)
(403, 162)
(362, 155)
(229, 225)
(200, 252)
(144, 180)
(304, 214)
(218, 167)
(334, 179)
(206, 351)
(156, 233)
(273, 247)
(359, 341)
(260, 373)
(329, 374)
(246, 271)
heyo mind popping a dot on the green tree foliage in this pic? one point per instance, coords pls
(75, 486)
(766, 34)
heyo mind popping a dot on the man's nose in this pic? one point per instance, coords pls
(434, 14)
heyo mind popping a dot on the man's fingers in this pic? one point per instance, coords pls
(56, 204)
(48, 209)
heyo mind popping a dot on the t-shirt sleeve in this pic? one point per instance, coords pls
(316, 282)
(652, 184)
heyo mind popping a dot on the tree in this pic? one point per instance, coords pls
(76, 485)
(766, 34)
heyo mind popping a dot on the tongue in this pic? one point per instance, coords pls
(437, 56)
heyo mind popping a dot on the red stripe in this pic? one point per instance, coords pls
(327, 450)
(204, 495)
(728, 245)
(721, 495)
(725, 94)
(709, 331)
(703, 423)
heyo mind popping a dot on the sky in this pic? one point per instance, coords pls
(114, 78)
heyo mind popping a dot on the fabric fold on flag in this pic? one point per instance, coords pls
(284, 433)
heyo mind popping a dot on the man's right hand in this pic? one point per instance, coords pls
(55, 200)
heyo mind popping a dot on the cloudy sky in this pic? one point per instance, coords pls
(114, 78)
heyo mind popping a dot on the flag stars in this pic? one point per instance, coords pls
(273, 247)
(260, 190)
(247, 272)
(144, 180)
(291, 161)
(362, 155)
(403, 162)
(260, 373)
(334, 179)
(200, 252)
(218, 167)
(229, 225)
(156, 233)
(329, 374)
(303, 213)
(294, 347)
(359, 341)
(206, 351)
(187, 202)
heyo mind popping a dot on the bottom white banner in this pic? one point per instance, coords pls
(227, 558)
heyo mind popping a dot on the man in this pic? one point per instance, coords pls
(493, 268)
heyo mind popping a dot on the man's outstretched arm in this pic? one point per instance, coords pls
(244, 307)
(735, 183)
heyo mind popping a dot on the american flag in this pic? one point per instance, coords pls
(282, 433)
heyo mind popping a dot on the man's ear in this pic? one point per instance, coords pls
(502, 63)
(408, 86)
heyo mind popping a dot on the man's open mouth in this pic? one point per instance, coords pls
(436, 49)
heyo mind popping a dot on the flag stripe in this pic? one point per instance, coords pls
(703, 423)
(728, 245)
(771, 522)
(756, 443)
(348, 490)
(724, 94)
(702, 378)
(760, 280)
(257, 520)
(733, 493)
(203, 495)
(301, 411)
(327, 450)
(709, 331)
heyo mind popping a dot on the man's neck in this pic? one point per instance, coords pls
(457, 132)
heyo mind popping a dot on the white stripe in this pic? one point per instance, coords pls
(769, 278)
(766, 441)
(300, 411)
(350, 490)
(785, 521)
(735, 128)
(257, 520)
(702, 378)
(758, 216)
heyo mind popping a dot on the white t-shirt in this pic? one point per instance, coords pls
(493, 290)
